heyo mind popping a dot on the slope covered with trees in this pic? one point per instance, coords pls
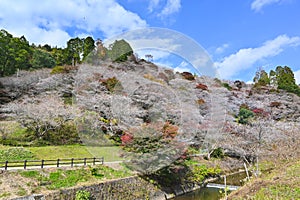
(17, 54)
(282, 78)
(157, 116)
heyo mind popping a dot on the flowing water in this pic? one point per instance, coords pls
(201, 194)
(211, 193)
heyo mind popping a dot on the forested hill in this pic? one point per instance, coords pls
(18, 54)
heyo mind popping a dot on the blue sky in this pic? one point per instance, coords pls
(239, 35)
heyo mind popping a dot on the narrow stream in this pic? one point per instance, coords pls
(202, 194)
(211, 193)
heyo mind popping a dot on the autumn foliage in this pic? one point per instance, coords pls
(202, 86)
(126, 138)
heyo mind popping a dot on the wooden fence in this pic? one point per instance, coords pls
(51, 163)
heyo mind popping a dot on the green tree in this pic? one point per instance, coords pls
(119, 50)
(261, 78)
(285, 77)
(14, 52)
(42, 59)
(74, 50)
(61, 56)
(286, 80)
(88, 46)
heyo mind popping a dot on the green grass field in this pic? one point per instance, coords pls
(76, 151)
(111, 153)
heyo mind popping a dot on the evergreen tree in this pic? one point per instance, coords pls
(119, 50)
(88, 46)
(42, 59)
(14, 52)
(261, 78)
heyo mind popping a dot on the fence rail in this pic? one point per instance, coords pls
(54, 163)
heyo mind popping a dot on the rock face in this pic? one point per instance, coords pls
(129, 95)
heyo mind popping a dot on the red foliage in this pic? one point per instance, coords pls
(169, 130)
(126, 138)
(260, 112)
(202, 86)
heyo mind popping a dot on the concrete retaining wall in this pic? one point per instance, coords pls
(130, 188)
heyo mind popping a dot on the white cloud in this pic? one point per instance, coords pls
(172, 6)
(164, 10)
(245, 58)
(297, 76)
(182, 67)
(257, 5)
(222, 48)
(55, 22)
(165, 42)
(152, 5)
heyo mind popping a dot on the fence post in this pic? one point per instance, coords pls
(94, 161)
(102, 160)
(72, 162)
(42, 165)
(84, 161)
(6, 163)
(25, 162)
(57, 163)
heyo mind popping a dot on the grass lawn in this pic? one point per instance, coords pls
(282, 182)
(76, 151)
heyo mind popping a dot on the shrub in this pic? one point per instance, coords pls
(245, 106)
(227, 86)
(217, 153)
(112, 84)
(275, 104)
(188, 76)
(202, 86)
(65, 134)
(244, 116)
(58, 70)
(260, 112)
(63, 69)
(200, 172)
(218, 81)
(126, 138)
(169, 130)
(200, 101)
(82, 195)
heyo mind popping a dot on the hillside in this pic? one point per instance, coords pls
(153, 112)
(125, 96)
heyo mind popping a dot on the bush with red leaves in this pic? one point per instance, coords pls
(260, 112)
(202, 86)
(126, 138)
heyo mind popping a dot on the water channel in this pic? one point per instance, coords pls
(214, 193)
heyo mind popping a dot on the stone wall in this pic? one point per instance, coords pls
(126, 188)
(130, 188)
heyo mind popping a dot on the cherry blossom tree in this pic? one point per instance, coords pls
(42, 114)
